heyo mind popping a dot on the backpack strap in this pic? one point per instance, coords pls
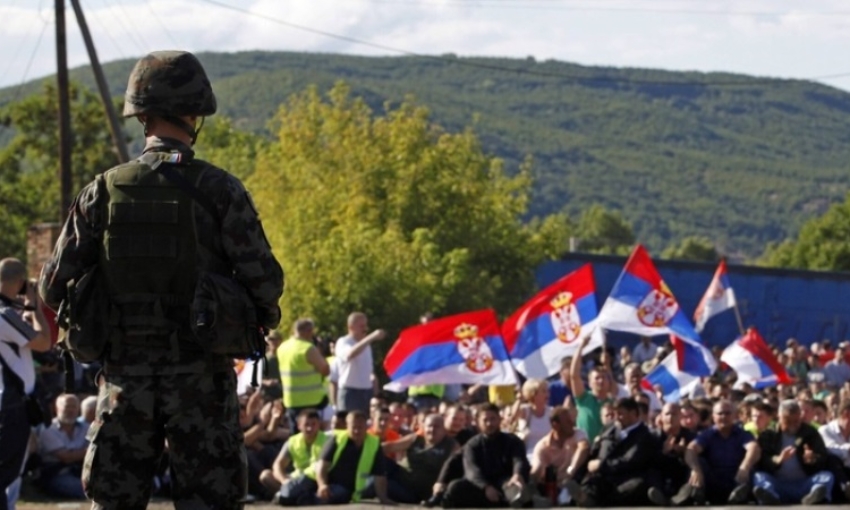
(155, 160)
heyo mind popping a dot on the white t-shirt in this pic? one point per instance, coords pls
(15, 335)
(355, 373)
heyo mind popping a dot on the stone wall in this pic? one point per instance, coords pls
(41, 239)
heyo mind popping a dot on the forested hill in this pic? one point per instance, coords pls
(740, 160)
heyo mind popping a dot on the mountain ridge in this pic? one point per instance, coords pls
(741, 160)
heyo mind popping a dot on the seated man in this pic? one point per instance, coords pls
(620, 471)
(424, 456)
(559, 455)
(301, 452)
(492, 461)
(347, 461)
(721, 459)
(836, 436)
(674, 440)
(793, 465)
(62, 447)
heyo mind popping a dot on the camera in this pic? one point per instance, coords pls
(24, 288)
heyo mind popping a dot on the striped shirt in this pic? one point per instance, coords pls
(17, 373)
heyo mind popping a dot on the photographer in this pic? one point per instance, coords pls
(23, 329)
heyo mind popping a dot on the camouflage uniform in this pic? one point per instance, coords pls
(148, 396)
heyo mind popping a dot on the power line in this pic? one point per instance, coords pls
(29, 63)
(552, 6)
(132, 25)
(139, 46)
(105, 28)
(515, 70)
(163, 25)
(20, 46)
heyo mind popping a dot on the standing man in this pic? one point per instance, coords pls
(354, 358)
(23, 329)
(302, 373)
(589, 403)
(156, 229)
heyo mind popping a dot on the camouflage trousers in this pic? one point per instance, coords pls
(195, 415)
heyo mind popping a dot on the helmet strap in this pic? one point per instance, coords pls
(185, 126)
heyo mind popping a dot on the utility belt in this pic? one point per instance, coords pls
(220, 320)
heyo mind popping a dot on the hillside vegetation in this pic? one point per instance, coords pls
(739, 160)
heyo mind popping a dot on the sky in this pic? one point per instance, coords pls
(770, 38)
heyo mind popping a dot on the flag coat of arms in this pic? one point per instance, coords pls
(550, 325)
(466, 348)
(751, 358)
(718, 298)
(641, 302)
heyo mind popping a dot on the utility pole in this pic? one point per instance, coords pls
(112, 117)
(64, 111)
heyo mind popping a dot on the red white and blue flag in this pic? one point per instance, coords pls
(754, 361)
(641, 303)
(466, 348)
(550, 325)
(673, 374)
(718, 297)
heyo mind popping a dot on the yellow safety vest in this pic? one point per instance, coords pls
(302, 384)
(437, 390)
(304, 459)
(364, 465)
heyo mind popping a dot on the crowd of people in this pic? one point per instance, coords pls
(320, 430)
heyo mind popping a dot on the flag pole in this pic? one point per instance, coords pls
(738, 316)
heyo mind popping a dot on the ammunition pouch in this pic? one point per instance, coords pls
(84, 317)
(224, 318)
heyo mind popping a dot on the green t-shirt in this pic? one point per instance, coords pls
(589, 414)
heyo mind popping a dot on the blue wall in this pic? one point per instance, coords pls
(807, 305)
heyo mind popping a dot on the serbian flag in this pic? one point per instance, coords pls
(466, 348)
(680, 371)
(674, 383)
(641, 303)
(752, 359)
(551, 325)
(718, 297)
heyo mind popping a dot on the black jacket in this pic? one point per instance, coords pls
(628, 457)
(492, 460)
(770, 442)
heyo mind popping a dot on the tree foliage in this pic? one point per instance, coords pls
(392, 215)
(693, 248)
(29, 164)
(823, 243)
(604, 232)
(742, 165)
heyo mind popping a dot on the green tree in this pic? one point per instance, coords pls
(695, 248)
(29, 184)
(823, 243)
(393, 216)
(605, 232)
(228, 148)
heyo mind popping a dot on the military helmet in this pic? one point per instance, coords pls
(169, 83)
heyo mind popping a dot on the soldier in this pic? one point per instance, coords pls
(155, 228)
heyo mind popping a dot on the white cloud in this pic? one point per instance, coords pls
(795, 40)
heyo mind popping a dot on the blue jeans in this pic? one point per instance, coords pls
(298, 491)
(65, 484)
(791, 492)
